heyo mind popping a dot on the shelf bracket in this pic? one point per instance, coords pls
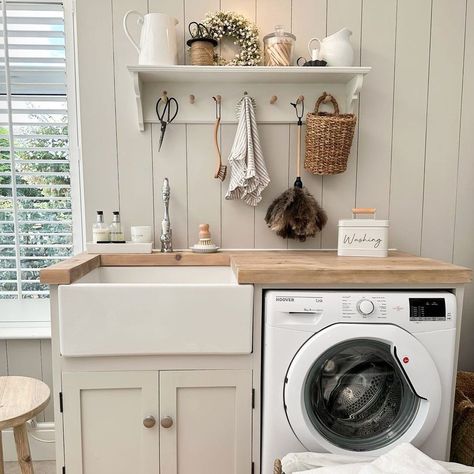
(353, 88)
(138, 89)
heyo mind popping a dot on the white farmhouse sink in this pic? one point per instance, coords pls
(155, 310)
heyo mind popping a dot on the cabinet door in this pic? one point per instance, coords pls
(103, 422)
(211, 412)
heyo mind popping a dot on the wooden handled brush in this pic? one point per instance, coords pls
(221, 170)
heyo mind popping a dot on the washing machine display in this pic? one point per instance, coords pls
(357, 397)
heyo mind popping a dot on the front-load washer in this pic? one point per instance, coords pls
(357, 372)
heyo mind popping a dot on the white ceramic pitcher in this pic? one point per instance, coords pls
(157, 46)
(336, 49)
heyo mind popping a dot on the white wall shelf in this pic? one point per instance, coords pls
(290, 82)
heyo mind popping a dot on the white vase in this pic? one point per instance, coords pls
(157, 45)
(337, 49)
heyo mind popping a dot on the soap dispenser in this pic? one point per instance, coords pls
(116, 234)
(100, 231)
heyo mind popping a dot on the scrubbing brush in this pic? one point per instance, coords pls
(221, 170)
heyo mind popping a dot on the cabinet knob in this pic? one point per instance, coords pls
(149, 422)
(167, 422)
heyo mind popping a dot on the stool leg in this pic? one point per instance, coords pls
(23, 449)
(2, 471)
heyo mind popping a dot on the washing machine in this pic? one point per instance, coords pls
(357, 372)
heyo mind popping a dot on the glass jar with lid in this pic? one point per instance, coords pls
(278, 47)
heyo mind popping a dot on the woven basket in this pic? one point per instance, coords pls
(328, 139)
(462, 442)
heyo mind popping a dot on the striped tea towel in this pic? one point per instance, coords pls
(248, 173)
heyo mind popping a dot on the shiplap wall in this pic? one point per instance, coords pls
(28, 358)
(411, 157)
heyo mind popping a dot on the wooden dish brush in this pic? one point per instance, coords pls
(221, 170)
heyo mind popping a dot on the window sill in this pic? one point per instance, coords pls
(25, 319)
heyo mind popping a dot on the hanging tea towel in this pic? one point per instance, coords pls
(248, 173)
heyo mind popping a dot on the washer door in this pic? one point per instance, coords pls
(346, 393)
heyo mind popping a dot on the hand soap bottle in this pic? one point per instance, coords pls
(116, 234)
(100, 231)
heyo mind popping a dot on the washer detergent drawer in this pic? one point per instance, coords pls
(121, 319)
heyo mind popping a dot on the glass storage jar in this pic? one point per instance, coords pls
(278, 47)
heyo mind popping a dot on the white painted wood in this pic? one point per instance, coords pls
(173, 8)
(94, 56)
(168, 318)
(275, 141)
(464, 224)
(204, 191)
(133, 147)
(339, 191)
(47, 375)
(170, 163)
(3, 358)
(24, 358)
(243, 7)
(442, 146)
(308, 20)
(238, 219)
(409, 124)
(376, 103)
(103, 422)
(212, 422)
(271, 13)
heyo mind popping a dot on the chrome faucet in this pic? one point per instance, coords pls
(166, 232)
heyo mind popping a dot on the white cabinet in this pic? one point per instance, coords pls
(103, 422)
(212, 422)
(203, 422)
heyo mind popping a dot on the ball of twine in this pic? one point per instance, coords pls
(202, 53)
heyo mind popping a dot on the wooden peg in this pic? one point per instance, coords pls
(273, 99)
(164, 96)
(300, 99)
(246, 93)
(218, 99)
(192, 98)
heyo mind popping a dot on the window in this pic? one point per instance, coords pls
(35, 180)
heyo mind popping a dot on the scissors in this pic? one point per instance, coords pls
(166, 109)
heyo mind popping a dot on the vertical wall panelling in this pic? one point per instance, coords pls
(170, 163)
(24, 358)
(464, 223)
(204, 192)
(133, 146)
(3, 358)
(271, 13)
(97, 108)
(47, 374)
(409, 123)
(442, 146)
(339, 191)
(275, 146)
(243, 7)
(173, 8)
(195, 11)
(376, 104)
(238, 219)
(308, 20)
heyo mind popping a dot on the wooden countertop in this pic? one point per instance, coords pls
(278, 267)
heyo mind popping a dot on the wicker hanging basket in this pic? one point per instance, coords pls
(328, 139)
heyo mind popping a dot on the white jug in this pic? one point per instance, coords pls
(336, 49)
(158, 46)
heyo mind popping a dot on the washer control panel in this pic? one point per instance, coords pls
(373, 306)
(365, 307)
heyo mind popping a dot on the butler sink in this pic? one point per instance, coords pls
(155, 310)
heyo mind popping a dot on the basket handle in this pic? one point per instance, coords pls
(326, 98)
(363, 210)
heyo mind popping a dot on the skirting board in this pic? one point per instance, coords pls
(39, 451)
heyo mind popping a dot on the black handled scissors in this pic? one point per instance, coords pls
(166, 110)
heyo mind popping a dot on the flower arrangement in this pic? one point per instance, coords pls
(241, 30)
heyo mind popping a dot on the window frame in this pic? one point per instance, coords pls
(16, 320)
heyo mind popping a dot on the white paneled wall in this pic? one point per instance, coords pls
(411, 157)
(28, 358)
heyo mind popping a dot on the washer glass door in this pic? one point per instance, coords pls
(356, 396)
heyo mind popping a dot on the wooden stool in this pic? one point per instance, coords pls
(21, 398)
